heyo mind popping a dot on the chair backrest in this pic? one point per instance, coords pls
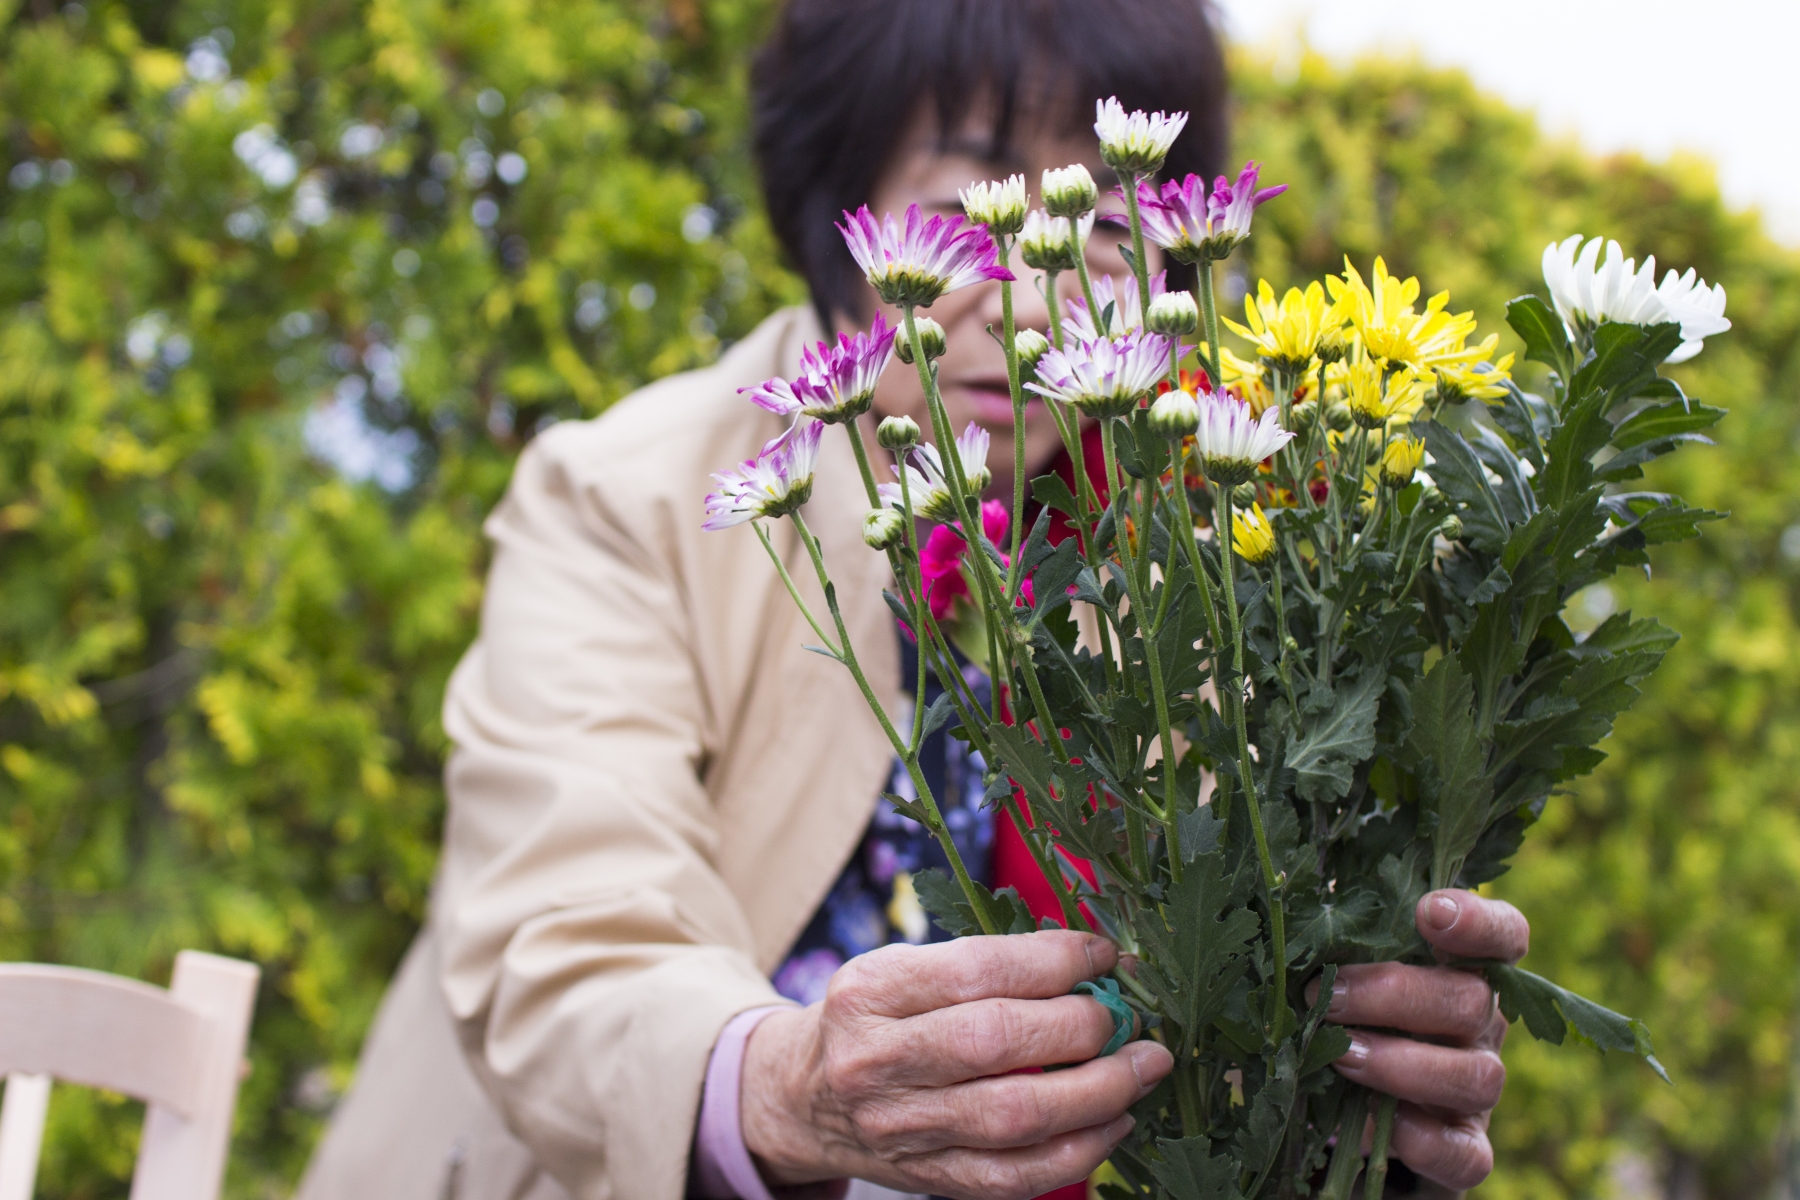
(179, 1051)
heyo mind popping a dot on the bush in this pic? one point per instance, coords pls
(284, 287)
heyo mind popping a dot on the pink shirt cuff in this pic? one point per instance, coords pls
(723, 1169)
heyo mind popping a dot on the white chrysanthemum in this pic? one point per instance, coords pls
(930, 490)
(1135, 143)
(1701, 310)
(1587, 292)
(1230, 442)
(774, 483)
(999, 206)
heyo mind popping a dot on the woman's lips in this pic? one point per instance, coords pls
(990, 401)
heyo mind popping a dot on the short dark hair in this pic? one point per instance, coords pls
(838, 80)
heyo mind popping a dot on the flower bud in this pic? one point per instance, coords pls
(1044, 242)
(1030, 345)
(897, 433)
(999, 206)
(1400, 460)
(1176, 414)
(1451, 527)
(931, 337)
(1070, 191)
(883, 528)
(1338, 416)
(1174, 314)
(1244, 495)
(1303, 416)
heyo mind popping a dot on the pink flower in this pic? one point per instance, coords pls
(916, 263)
(774, 483)
(1104, 377)
(1197, 226)
(835, 383)
(941, 559)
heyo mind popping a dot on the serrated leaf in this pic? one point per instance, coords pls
(1542, 331)
(1458, 474)
(1052, 492)
(1552, 1012)
(1191, 1171)
(1655, 422)
(940, 896)
(1261, 1136)
(939, 714)
(1329, 746)
(1199, 832)
(1456, 786)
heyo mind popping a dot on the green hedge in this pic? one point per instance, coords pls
(237, 238)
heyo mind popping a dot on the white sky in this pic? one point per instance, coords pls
(1721, 77)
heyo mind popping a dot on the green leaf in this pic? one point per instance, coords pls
(943, 898)
(1261, 1136)
(1657, 421)
(1333, 742)
(1052, 492)
(1458, 474)
(1542, 331)
(1451, 763)
(1553, 1012)
(1199, 832)
(1191, 1171)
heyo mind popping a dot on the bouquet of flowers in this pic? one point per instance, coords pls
(1296, 656)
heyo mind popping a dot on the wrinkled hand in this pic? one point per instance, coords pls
(1448, 1075)
(899, 1075)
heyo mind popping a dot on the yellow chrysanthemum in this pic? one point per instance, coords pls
(1251, 534)
(1375, 397)
(1480, 380)
(1401, 460)
(1245, 379)
(1390, 329)
(1287, 333)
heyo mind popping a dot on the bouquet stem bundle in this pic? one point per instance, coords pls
(1266, 676)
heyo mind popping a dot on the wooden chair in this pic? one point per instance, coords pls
(180, 1051)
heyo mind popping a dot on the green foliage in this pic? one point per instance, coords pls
(1665, 885)
(220, 662)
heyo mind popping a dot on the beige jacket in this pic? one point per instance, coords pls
(653, 786)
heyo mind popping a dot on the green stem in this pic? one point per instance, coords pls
(854, 429)
(1045, 857)
(1018, 406)
(1209, 312)
(1138, 266)
(1346, 1159)
(1081, 273)
(1376, 1181)
(1271, 882)
(1134, 821)
(788, 582)
(1190, 546)
(978, 900)
(1050, 298)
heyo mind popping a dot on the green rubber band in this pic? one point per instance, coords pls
(1106, 991)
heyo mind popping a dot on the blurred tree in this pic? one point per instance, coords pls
(284, 287)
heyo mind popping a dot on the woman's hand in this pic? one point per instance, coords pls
(1449, 1079)
(899, 1075)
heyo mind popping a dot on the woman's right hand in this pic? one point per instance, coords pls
(900, 1075)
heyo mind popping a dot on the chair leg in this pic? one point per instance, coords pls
(22, 1133)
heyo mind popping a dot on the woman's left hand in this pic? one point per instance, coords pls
(1447, 1076)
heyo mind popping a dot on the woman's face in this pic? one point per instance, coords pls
(930, 171)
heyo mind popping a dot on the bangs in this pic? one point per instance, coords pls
(838, 82)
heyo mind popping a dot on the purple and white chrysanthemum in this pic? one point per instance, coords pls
(773, 484)
(1196, 225)
(1104, 377)
(915, 262)
(835, 383)
(1127, 309)
(1135, 143)
(1230, 443)
(925, 482)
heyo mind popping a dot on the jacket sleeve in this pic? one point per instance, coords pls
(592, 954)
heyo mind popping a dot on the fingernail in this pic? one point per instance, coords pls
(1115, 1133)
(1340, 998)
(1441, 912)
(1357, 1055)
(1147, 1073)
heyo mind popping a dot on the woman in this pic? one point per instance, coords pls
(659, 799)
